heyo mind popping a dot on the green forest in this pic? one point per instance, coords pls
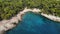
(9, 8)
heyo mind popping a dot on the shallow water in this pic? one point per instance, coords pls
(35, 24)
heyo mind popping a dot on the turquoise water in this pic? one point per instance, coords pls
(33, 23)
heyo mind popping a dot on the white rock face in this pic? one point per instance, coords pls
(54, 18)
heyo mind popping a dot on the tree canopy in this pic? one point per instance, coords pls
(9, 8)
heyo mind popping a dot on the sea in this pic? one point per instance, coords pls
(33, 23)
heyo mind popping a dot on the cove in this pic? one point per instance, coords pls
(33, 23)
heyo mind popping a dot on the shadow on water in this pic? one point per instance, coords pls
(33, 23)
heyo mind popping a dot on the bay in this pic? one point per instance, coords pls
(33, 23)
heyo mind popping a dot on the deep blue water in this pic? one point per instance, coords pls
(33, 23)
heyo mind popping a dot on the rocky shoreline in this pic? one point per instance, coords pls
(9, 24)
(51, 17)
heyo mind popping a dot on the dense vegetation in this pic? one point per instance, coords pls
(9, 8)
(51, 7)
